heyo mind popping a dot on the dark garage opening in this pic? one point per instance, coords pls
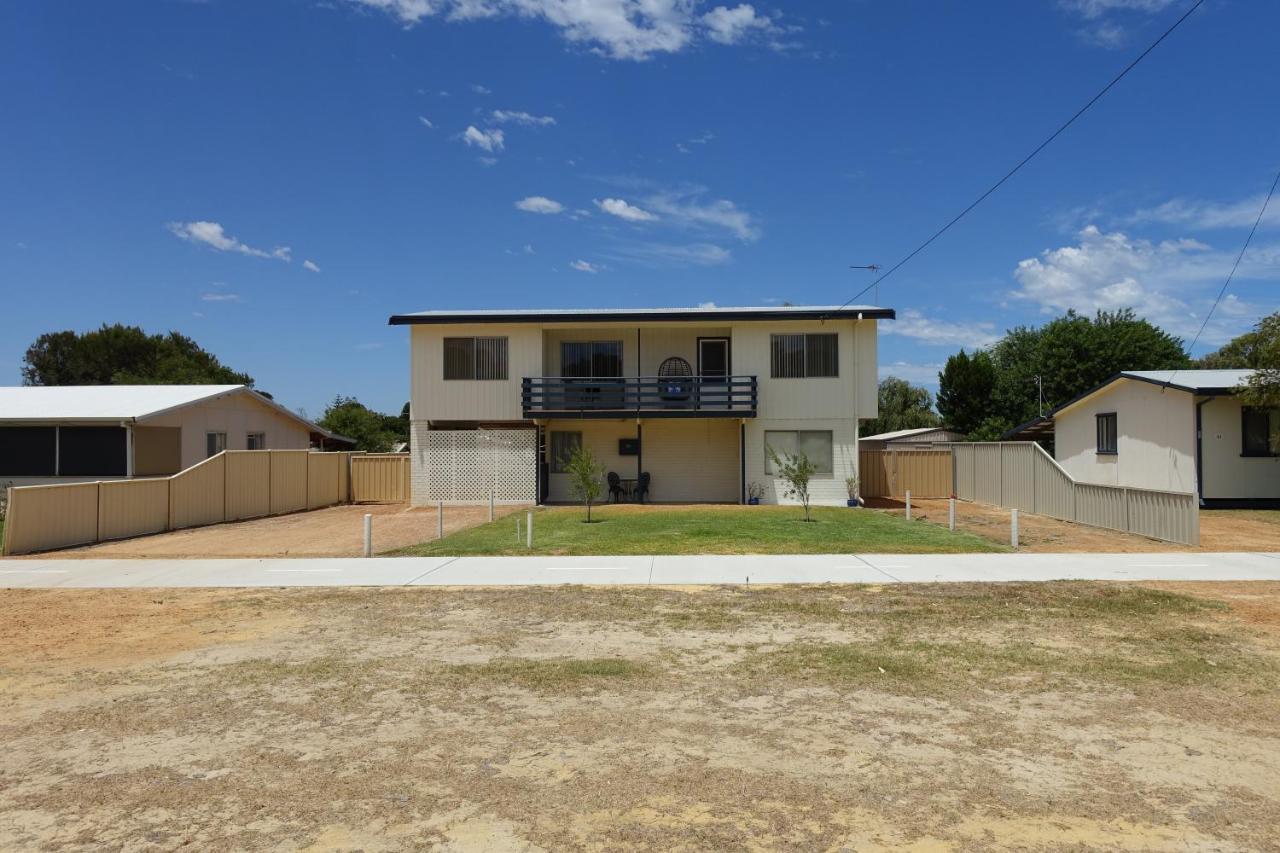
(28, 451)
(63, 451)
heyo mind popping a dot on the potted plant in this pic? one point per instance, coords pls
(851, 486)
(755, 492)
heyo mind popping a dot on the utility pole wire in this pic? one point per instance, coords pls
(1029, 157)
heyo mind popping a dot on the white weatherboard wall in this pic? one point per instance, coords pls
(601, 438)
(692, 460)
(1227, 474)
(1156, 438)
(237, 415)
(436, 398)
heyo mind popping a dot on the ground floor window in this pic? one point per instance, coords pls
(256, 441)
(814, 444)
(1261, 428)
(1107, 441)
(215, 443)
(563, 446)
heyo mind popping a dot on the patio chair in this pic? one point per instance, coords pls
(675, 377)
(642, 486)
(615, 486)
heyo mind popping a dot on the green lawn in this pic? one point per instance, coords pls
(630, 529)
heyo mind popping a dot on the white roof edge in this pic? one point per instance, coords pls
(903, 433)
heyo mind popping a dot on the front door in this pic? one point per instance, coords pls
(713, 363)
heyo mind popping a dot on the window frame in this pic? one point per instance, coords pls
(254, 438)
(497, 361)
(591, 357)
(555, 463)
(210, 434)
(1268, 433)
(803, 359)
(831, 448)
(1099, 419)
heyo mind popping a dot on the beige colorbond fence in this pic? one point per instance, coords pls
(924, 473)
(234, 485)
(380, 478)
(1020, 475)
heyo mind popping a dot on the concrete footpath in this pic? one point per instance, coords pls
(674, 570)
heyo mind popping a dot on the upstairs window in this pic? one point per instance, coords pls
(1106, 426)
(804, 356)
(255, 441)
(1261, 428)
(475, 358)
(591, 359)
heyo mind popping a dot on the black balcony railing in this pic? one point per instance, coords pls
(651, 396)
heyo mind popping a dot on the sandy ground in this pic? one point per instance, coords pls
(1220, 530)
(1018, 717)
(333, 532)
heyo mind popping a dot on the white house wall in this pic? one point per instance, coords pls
(237, 415)
(435, 398)
(1155, 444)
(1227, 474)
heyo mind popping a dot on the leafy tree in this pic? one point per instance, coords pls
(1070, 355)
(902, 406)
(585, 477)
(965, 386)
(123, 355)
(796, 471)
(1257, 350)
(373, 431)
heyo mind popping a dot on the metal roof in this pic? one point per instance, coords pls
(115, 403)
(632, 315)
(1195, 381)
(904, 433)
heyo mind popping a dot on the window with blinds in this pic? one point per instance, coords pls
(800, 356)
(475, 358)
(815, 445)
(591, 359)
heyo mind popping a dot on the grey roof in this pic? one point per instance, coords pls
(552, 315)
(1196, 381)
(904, 433)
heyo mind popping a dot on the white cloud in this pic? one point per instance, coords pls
(521, 117)
(1097, 8)
(1172, 283)
(528, 249)
(619, 208)
(310, 265)
(213, 235)
(1105, 34)
(485, 140)
(426, 122)
(539, 204)
(706, 305)
(619, 29)
(730, 26)
(584, 266)
(686, 209)
(219, 297)
(481, 90)
(915, 325)
(1209, 214)
(1102, 28)
(487, 161)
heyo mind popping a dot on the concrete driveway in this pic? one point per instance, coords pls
(639, 570)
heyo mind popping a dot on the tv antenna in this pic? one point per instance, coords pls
(873, 269)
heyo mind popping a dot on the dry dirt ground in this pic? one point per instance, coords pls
(1031, 717)
(333, 532)
(1220, 530)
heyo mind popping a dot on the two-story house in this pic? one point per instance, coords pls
(692, 397)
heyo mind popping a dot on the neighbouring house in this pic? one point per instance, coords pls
(72, 433)
(1177, 430)
(920, 438)
(690, 396)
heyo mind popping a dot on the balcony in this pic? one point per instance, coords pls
(647, 396)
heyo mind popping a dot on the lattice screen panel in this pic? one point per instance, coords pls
(463, 465)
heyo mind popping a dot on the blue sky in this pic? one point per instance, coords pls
(275, 178)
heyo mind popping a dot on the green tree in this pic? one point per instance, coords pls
(902, 406)
(1257, 350)
(586, 477)
(965, 386)
(123, 355)
(796, 471)
(373, 431)
(1066, 356)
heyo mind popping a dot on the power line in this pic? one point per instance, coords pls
(1247, 240)
(1029, 157)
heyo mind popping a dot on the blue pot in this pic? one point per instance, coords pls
(852, 502)
(753, 501)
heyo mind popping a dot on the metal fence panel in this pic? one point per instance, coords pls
(1018, 476)
(323, 479)
(873, 473)
(986, 474)
(132, 508)
(1055, 490)
(1164, 515)
(380, 478)
(962, 465)
(248, 484)
(197, 496)
(40, 518)
(1101, 506)
(288, 480)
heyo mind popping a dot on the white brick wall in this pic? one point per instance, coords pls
(418, 463)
